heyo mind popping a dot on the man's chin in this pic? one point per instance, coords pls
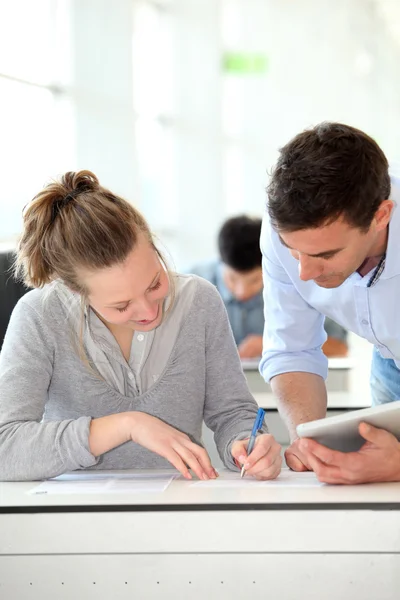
(334, 282)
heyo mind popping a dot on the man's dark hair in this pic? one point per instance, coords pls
(239, 243)
(329, 171)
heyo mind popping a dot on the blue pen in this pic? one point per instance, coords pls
(256, 427)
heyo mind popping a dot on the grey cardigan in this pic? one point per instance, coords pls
(48, 396)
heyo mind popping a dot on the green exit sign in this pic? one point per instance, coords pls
(243, 63)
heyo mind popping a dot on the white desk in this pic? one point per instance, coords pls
(340, 396)
(189, 543)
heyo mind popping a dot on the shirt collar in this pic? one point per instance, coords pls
(392, 262)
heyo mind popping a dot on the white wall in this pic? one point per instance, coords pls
(102, 91)
(327, 61)
(198, 123)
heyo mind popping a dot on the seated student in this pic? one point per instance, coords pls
(114, 362)
(237, 275)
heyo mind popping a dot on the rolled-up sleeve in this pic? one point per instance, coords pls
(294, 331)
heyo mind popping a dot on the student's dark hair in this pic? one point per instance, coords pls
(239, 243)
(76, 224)
(330, 171)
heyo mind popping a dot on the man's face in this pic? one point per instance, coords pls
(329, 254)
(243, 285)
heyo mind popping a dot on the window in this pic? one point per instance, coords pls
(36, 120)
(155, 137)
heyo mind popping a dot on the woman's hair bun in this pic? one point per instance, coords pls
(79, 181)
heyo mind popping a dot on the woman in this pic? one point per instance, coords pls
(113, 362)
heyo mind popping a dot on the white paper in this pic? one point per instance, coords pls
(96, 475)
(287, 478)
(112, 484)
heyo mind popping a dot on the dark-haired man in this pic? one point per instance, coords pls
(331, 246)
(237, 275)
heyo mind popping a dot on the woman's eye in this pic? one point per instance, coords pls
(155, 287)
(122, 309)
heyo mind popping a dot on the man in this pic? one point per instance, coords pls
(331, 246)
(237, 275)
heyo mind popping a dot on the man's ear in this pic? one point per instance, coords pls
(383, 214)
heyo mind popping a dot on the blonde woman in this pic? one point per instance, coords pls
(113, 362)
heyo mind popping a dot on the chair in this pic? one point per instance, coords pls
(10, 292)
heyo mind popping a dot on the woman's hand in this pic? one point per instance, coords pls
(265, 460)
(175, 446)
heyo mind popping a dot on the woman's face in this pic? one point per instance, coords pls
(132, 293)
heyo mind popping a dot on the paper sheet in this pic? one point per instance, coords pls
(287, 478)
(135, 475)
(96, 483)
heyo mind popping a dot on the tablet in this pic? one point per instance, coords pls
(341, 432)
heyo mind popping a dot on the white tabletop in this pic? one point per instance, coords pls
(180, 493)
(336, 400)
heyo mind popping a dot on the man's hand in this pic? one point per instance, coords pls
(296, 459)
(378, 460)
(251, 347)
(264, 462)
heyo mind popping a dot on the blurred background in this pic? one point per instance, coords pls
(180, 105)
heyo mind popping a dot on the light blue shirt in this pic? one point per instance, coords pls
(294, 313)
(246, 318)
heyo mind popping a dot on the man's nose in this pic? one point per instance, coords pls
(308, 268)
